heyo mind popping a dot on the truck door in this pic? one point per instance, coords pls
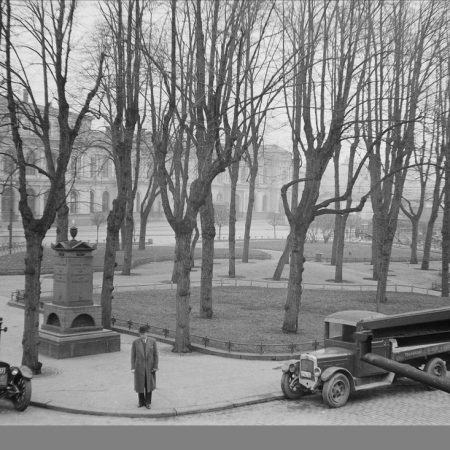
(378, 347)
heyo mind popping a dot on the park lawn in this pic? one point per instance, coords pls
(255, 315)
(353, 251)
(14, 264)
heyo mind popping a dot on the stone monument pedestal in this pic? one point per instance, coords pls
(72, 323)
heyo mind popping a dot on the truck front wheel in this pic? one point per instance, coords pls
(336, 391)
(291, 390)
(436, 367)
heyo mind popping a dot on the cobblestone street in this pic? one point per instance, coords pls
(404, 404)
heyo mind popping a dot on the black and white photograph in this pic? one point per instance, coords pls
(225, 213)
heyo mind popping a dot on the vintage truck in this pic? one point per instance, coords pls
(364, 350)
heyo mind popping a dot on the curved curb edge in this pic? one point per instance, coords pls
(170, 412)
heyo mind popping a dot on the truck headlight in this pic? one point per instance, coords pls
(317, 371)
(14, 371)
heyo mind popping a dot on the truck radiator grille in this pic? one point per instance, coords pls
(306, 365)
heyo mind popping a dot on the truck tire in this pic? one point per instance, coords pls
(22, 400)
(336, 390)
(289, 392)
(436, 367)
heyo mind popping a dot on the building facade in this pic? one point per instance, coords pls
(91, 180)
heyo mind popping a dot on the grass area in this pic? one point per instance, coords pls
(254, 315)
(14, 264)
(353, 251)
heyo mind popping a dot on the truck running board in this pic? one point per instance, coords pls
(386, 381)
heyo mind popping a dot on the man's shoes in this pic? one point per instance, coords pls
(140, 405)
(148, 406)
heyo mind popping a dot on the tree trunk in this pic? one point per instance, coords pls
(414, 235)
(182, 337)
(375, 247)
(176, 265)
(128, 241)
(234, 172)
(248, 218)
(62, 217)
(32, 295)
(430, 225)
(384, 257)
(143, 230)
(284, 258)
(446, 226)
(208, 235)
(114, 221)
(336, 237)
(292, 307)
(340, 244)
(123, 234)
(193, 245)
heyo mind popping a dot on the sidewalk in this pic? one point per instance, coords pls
(103, 384)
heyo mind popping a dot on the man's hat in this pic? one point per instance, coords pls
(143, 329)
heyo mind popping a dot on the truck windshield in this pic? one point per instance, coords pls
(340, 331)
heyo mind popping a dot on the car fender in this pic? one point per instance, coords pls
(330, 371)
(285, 366)
(26, 372)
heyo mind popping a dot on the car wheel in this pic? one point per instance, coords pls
(22, 400)
(336, 390)
(436, 367)
(292, 392)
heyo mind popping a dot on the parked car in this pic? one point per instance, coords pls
(15, 382)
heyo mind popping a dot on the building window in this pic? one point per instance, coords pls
(103, 164)
(243, 171)
(7, 204)
(105, 201)
(74, 167)
(93, 167)
(31, 198)
(91, 201)
(73, 207)
(31, 159)
(264, 204)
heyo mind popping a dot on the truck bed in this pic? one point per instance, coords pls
(418, 351)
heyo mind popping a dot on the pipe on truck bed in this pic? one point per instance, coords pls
(408, 371)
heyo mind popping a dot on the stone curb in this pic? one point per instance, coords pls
(170, 412)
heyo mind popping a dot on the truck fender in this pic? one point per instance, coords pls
(330, 371)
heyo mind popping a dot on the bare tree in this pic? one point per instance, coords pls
(151, 194)
(221, 217)
(122, 90)
(275, 219)
(409, 54)
(437, 155)
(98, 218)
(422, 172)
(47, 30)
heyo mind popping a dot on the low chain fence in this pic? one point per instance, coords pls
(121, 324)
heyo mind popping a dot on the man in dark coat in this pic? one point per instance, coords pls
(144, 364)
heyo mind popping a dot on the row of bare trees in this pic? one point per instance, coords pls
(189, 86)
